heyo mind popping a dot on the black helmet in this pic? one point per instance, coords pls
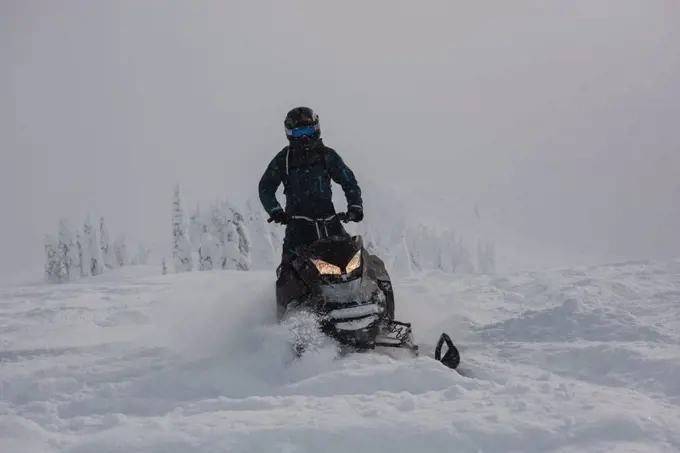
(302, 128)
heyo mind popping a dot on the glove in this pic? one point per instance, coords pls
(355, 213)
(279, 216)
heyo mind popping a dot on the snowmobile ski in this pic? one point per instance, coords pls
(451, 357)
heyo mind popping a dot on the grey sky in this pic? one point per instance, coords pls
(559, 118)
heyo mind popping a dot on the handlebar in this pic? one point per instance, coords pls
(342, 216)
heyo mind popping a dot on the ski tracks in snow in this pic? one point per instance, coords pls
(576, 360)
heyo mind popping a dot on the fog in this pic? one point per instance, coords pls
(559, 119)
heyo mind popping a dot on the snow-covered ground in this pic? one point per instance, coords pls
(575, 360)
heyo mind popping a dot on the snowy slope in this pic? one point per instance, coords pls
(575, 360)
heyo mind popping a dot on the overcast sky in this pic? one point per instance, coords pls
(560, 119)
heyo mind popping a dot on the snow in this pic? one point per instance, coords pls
(568, 360)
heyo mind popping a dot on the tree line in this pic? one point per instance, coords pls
(224, 235)
(71, 254)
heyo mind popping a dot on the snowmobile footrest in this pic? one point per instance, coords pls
(398, 335)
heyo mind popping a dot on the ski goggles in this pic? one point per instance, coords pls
(302, 131)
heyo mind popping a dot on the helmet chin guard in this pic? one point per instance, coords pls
(306, 142)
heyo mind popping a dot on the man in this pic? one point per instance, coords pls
(306, 167)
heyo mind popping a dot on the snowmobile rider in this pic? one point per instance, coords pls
(306, 167)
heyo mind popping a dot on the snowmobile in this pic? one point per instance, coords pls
(349, 292)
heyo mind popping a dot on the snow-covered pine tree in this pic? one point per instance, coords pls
(53, 263)
(205, 262)
(217, 226)
(181, 249)
(93, 246)
(232, 255)
(202, 243)
(196, 227)
(68, 251)
(415, 240)
(211, 251)
(83, 255)
(244, 243)
(120, 251)
(108, 255)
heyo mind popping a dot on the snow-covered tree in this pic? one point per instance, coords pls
(201, 233)
(120, 251)
(244, 243)
(196, 227)
(262, 250)
(232, 256)
(216, 225)
(108, 254)
(68, 252)
(181, 249)
(93, 247)
(211, 252)
(53, 260)
(83, 255)
(417, 248)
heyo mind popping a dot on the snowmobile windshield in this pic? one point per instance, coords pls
(336, 251)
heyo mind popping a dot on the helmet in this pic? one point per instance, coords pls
(302, 128)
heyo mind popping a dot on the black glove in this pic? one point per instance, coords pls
(355, 213)
(279, 216)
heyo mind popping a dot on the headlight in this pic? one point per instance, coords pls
(354, 263)
(325, 268)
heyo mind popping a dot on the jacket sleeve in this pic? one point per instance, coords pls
(342, 175)
(269, 183)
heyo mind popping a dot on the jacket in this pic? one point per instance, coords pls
(306, 176)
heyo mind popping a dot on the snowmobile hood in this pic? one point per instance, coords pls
(336, 251)
(356, 290)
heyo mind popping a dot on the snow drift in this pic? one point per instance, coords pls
(582, 359)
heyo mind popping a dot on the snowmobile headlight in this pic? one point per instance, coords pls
(354, 263)
(325, 268)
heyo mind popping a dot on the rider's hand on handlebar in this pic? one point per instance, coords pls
(355, 214)
(279, 216)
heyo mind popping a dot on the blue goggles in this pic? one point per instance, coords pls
(302, 131)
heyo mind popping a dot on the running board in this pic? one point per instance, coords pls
(401, 339)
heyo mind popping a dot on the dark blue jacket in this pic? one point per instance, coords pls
(306, 176)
